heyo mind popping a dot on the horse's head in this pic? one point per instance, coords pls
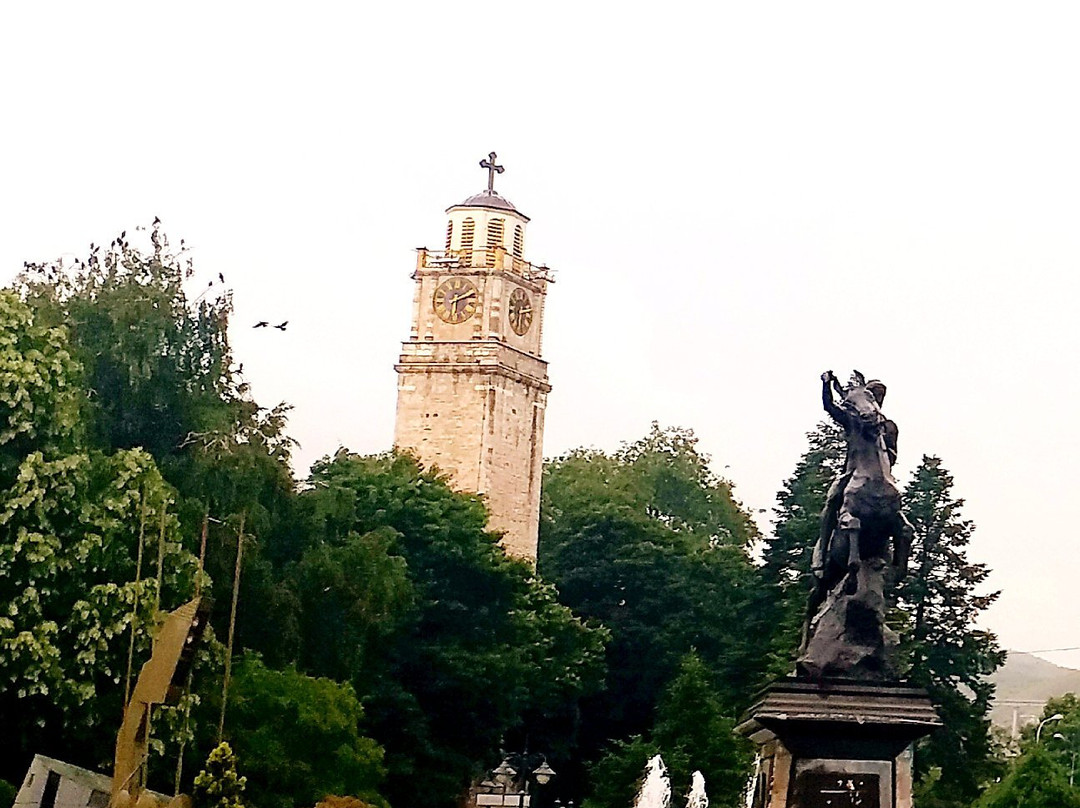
(862, 401)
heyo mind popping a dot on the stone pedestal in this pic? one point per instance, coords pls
(836, 743)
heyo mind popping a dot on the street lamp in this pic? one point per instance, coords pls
(1038, 732)
(504, 775)
(1072, 765)
(514, 779)
(543, 773)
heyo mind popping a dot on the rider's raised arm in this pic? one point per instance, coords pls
(827, 381)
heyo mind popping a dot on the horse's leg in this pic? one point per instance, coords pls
(822, 551)
(813, 603)
(849, 527)
(903, 533)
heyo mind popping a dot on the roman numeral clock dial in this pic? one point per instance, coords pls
(520, 311)
(455, 300)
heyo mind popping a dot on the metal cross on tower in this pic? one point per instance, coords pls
(492, 168)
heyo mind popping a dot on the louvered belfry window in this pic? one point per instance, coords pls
(468, 228)
(494, 239)
(519, 241)
(449, 233)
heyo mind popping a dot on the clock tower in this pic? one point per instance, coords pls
(472, 388)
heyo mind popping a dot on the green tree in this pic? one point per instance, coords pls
(616, 777)
(1061, 738)
(353, 596)
(39, 389)
(948, 653)
(158, 367)
(787, 552)
(482, 647)
(8, 792)
(73, 523)
(693, 732)
(651, 544)
(158, 374)
(300, 737)
(1036, 780)
(219, 785)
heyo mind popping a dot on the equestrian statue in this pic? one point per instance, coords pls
(865, 541)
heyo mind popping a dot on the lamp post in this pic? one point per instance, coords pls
(1038, 732)
(1072, 763)
(516, 773)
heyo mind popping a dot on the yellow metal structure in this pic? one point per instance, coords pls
(160, 682)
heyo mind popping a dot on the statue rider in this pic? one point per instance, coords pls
(834, 499)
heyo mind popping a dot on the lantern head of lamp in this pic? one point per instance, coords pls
(543, 773)
(504, 775)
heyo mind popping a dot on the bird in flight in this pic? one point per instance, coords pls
(261, 324)
(281, 326)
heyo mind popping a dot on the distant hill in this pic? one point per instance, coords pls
(1024, 683)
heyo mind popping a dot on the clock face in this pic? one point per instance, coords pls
(520, 311)
(455, 300)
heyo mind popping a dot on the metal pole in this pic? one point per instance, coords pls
(232, 627)
(135, 600)
(160, 561)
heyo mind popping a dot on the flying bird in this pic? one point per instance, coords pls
(261, 324)
(281, 326)
(221, 277)
(157, 220)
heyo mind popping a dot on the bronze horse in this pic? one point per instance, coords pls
(862, 515)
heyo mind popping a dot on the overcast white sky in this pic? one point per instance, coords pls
(735, 196)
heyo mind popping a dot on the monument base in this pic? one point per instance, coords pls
(836, 743)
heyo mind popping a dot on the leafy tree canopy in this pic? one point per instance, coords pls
(692, 732)
(1035, 781)
(219, 785)
(787, 552)
(157, 374)
(942, 599)
(481, 646)
(74, 523)
(651, 544)
(1060, 738)
(300, 738)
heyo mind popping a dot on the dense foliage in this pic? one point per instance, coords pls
(693, 731)
(1036, 780)
(125, 418)
(219, 785)
(942, 599)
(787, 552)
(650, 543)
(471, 645)
(74, 523)
(299, 737)
(387, 651)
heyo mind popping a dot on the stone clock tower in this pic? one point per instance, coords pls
(472, 387)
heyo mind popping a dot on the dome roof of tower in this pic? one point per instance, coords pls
(489, 199)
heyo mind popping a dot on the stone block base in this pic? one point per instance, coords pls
(836, 744)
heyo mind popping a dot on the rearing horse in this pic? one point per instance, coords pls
(862, 512)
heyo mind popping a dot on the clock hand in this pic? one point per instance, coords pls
(459, 301)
